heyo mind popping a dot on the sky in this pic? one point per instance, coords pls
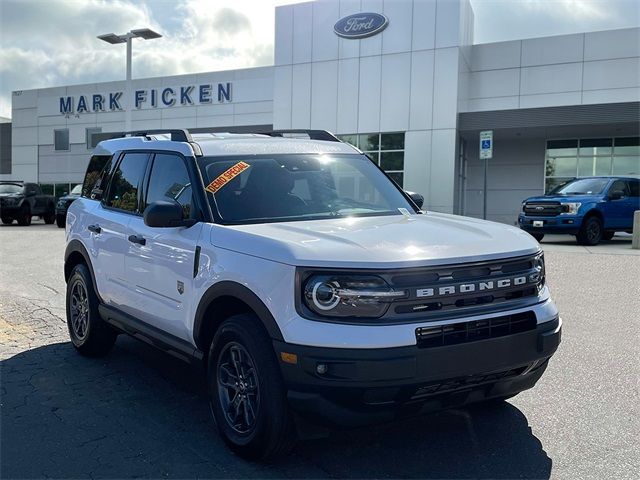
(45, 43)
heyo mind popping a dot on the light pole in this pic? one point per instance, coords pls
(112, 38)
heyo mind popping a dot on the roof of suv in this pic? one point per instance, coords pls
(225, 144)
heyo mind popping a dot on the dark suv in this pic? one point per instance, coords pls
(21, 200)
(591, 208)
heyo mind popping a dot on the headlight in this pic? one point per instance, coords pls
(61, 203)
(570, 208)
(349, 295)
(538, 265)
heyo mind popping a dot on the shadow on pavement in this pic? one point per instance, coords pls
(140, 413)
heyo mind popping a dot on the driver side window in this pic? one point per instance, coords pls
(621, 186)
(169, 181)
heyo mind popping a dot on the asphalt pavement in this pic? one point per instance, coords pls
(141, 413)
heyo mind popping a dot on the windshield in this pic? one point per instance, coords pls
(77, 190)
(268, 188)
(583, 186)
(10, 188)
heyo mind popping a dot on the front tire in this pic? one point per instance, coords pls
(590, 232)
(61, 221)
(89, 334)
(7, 220)
(246, 392)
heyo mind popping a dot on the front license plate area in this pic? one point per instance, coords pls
(538, 223)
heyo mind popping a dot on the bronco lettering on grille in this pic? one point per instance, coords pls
(474, 287)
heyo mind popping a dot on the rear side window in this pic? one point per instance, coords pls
(96, 177)
(634, 188)
(125, 182)
(169, 181)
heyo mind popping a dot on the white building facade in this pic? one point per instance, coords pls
(414, 93)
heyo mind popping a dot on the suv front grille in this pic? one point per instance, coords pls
(542, 209)
(435, 292)
(465, 332)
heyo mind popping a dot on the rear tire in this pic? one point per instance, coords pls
(590, 232)
(89, 334)
(537, 236)
(246, 391)
(61, 221)
(24, 217)
(7, 220)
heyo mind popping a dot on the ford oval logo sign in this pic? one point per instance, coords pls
(360, 25)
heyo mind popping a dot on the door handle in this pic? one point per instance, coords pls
(137, 239)
(94, 228)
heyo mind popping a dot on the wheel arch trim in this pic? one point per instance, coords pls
(76, 247)
(229, 288)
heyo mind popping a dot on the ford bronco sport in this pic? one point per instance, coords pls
(313, 289)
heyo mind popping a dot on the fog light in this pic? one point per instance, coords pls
(321, 368)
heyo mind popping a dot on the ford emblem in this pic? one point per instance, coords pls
(360, 25)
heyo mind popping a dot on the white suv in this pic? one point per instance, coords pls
(314, 290)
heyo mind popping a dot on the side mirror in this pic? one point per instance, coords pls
(616, 194)
(166, 215)
(417, 198)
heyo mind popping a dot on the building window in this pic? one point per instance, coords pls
(386, 150)
(91, 139)
(568, 159)
(61, 139)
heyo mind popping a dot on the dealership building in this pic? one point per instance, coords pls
(403, 81)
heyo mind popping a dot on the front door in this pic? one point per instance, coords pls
(160, 261)
(618, 212)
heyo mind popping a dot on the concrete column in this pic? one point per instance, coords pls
(635, 242)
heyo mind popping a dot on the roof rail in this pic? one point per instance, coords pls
(313, 134)
(177, 134)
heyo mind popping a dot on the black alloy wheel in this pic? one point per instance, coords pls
(238, 388)
(89, 334)
(590, 232)
(247, 394)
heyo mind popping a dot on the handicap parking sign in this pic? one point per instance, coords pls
(486, 144)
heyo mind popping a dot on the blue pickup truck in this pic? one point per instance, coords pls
(591, 208)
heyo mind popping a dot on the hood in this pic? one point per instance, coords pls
(377, 242)
(565, 198)
(69, 197)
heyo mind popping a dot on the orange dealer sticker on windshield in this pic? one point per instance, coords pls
(227, 176)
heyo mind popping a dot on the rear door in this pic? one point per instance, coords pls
(110, 227)
(161, 268)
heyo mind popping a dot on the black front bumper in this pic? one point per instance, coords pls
(363, 386)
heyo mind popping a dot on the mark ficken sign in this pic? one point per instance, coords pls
(204, 94)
